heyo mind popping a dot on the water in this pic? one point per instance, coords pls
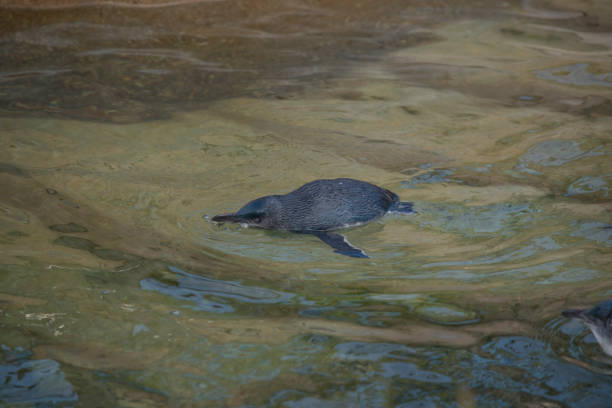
(124, 123)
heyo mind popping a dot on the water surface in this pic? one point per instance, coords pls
(126, 126)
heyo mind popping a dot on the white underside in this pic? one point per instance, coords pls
(604, 339)
(357, 224)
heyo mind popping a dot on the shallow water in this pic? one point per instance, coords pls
(126, 126)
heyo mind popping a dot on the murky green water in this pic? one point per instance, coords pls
(124, 123)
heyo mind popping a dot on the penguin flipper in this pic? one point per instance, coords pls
(340, 244)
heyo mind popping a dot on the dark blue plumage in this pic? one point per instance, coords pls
(321, 206)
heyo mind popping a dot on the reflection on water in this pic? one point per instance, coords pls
(194, 288)
(124, 123)
(589, 184)
(577, 74)
(33, 381)
(553, 153)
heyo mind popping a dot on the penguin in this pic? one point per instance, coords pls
(320, 207)
(599, 320)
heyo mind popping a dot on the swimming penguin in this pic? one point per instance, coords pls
(599, 320)
(319, 207)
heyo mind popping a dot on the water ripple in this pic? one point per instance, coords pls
(39, 382)
(196, 289)
(576, 74)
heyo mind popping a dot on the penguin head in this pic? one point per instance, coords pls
(599, 320)
(600, 315)
(261, 212)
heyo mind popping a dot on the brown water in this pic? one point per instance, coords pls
(123, 123)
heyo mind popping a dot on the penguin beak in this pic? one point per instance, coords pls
(228, 218)
(568, 313)
(582, 315)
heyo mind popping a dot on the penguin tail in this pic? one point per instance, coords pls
(403, 207)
